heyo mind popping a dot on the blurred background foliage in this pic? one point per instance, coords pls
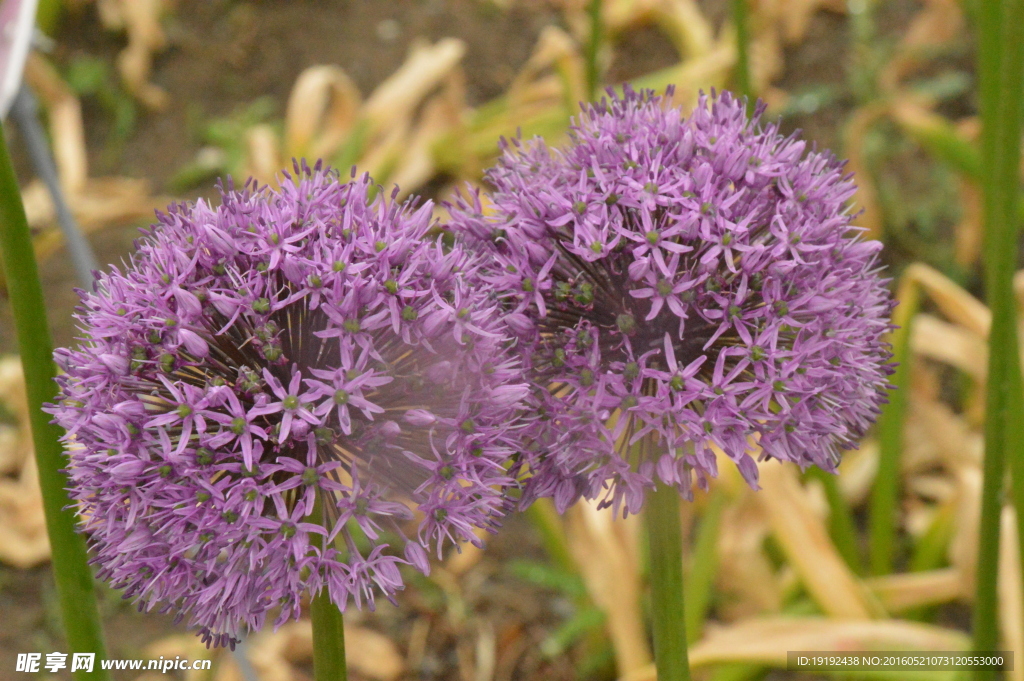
(149, 101)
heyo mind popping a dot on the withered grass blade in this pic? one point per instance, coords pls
(805, 540)
(902, 592)
(606, 551)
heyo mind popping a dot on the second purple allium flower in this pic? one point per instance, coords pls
(266, 391)
(683, 283)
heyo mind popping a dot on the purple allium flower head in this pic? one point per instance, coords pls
(291, 370)
(683, 283)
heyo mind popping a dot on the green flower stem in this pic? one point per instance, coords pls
(328, 639)
(328, 623)
(665, 543)
(1001, 80)
(71, 572)
(593, 48)
(742, 73)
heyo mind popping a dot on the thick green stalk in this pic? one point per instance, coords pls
(1001, 79)
(328, 623)
(665, 543)
(328, 640)
(593, 48)
(742, 73)
(71, 572)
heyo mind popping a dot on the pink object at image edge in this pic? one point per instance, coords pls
(17, 21)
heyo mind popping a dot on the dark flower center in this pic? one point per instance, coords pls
(287, 337)
(598, 293)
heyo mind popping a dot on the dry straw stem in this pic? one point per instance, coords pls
(263, 158)
(440, 114)
(1010, 589)
(963, 547)
(1018, 289)
(857, 472)
(746, 581)
(960, 343)
(804, 539)
(140, 19)
(15, 440)
(392, 134)
(968, 232)
(606, 550)
(937, 436)
(398, 96)
(686, 26)
(952, 144)
(538, 103)
(793, 17)
(558, 52)
(417, 124)
(854, 133)
(95, 202)
(323, 107)
(942, 466)
(616, 15)
(468, 556)
(765, 641)
(950, 344)
(937, 23)
(64, 113)
(902, 592)
(934, 434)
(953, 301)
(23, 540)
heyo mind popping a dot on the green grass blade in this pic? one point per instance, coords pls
(841, 525)
(703, 566)
(885, 495)
(594, 49)
(71, 572)
(738, 671)
(548, 523)
(930, 551)
(930, 554)
(1001, 80)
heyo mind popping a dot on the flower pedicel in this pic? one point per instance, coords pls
(291, 369)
